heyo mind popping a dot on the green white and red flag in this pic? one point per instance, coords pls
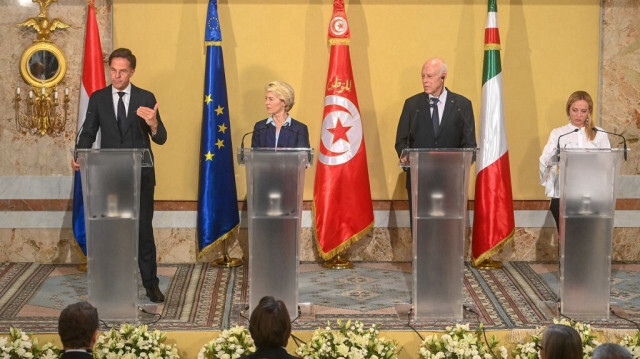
(493, 222)
(342, 207)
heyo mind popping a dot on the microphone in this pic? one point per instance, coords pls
(559, 137)
(412, 123)
(245, 135)
(286, 127)
(75, 145)
(624, 140)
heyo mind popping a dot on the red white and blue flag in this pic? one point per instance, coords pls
(92, 79)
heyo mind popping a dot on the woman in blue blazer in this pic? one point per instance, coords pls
(279, 129)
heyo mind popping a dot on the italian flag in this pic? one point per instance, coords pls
(93, 79)
(493, 223)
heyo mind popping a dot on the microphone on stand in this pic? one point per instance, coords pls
(624, 140)
(412, 123)
(75, 145)
(559, 137)
(411, 127)
(245, 135)
(298, 134)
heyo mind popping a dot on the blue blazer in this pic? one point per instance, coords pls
(295, 135)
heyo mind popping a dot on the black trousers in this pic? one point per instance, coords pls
(408, 187)
(554, 207)
(146, 243)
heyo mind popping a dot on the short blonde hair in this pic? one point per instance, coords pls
(283, 91)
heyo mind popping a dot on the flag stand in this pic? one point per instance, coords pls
(489, 264)
(338, 262)
(226, 260)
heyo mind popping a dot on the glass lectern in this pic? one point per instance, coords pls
(588, 183)
(439, 186)
(275, 185)
(111, 194)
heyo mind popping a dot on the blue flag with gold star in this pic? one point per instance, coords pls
(218, 217)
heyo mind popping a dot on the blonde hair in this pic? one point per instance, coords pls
(283, 91)
(588, 125)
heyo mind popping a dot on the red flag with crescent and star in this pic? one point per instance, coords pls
(343, 211)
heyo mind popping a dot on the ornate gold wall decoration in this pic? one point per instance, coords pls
(43, 66)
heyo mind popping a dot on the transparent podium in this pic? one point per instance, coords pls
(275, 184)
(588, 183)
(439, 186)
(111, 194)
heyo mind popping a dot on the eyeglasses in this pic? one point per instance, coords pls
(538, 346)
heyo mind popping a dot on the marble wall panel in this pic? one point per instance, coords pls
(385, 244)
(28, 154)
(620, 86)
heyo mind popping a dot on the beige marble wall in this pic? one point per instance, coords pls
(620, 101)
(27, 154)
(386, 244)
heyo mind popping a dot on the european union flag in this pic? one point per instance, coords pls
(218, 217)
(77, 215)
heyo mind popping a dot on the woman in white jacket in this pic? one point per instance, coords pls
(578, 133)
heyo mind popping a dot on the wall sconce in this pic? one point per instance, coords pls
(41, 114)
(43, 66)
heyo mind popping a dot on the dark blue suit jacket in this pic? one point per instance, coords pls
(101, 116)
(295, 135)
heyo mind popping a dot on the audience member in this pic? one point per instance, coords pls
(611, 351)
(78, 330)
(270, 329)
(560, 342)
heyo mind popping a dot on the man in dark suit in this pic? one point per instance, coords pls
(128, 117)
(435, 118)
(78, 330)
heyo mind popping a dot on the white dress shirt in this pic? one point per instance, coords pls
(125, 98)
(549, 160)
(271, 121)
(442, 99)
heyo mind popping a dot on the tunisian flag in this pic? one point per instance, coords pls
(341, 194)
(92, 80)
(493, 223)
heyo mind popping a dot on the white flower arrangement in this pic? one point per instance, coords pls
(632, 343)
(130, 342)
(529, 350)
(460, 343)
(230, 344)
(22, 345)
(351, 341)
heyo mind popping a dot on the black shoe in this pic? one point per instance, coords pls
(154, 294)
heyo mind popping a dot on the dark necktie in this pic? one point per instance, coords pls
(435, 117)
(121, 116)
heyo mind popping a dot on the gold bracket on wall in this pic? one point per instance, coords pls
(42, 66)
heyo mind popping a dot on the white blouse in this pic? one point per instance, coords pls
(549, 159)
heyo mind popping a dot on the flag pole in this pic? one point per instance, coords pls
(226, 260)
(338, 262)
(493, 220)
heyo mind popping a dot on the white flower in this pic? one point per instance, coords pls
(21, 345)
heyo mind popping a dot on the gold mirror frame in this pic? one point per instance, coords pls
(25, 69)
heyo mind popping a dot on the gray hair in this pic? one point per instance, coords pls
(611, 351)
(283, 91)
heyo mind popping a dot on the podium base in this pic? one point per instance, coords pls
(489, 264)
(338, 263)
(228, 262)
